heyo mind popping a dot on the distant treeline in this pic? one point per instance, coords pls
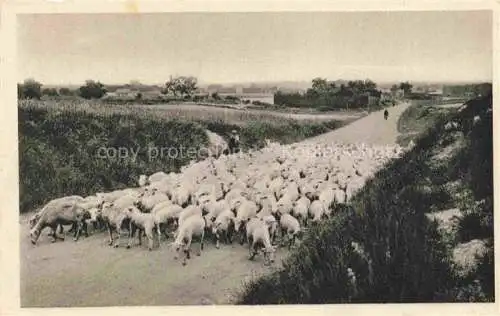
(328, 95)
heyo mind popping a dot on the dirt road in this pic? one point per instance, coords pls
(90, 273)
(372, 129)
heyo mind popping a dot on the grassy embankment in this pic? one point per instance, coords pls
(61, 145)
(406, 256)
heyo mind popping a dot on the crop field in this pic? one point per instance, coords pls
(194, 112)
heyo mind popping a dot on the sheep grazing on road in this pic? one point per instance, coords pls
(259, 239)
(245, 209)
(115, 220)
(251, 196)
(62, 211)
(193, 226)
(144, 222)
(272, 225)
(223, 226)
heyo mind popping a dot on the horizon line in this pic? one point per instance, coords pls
(428, 81)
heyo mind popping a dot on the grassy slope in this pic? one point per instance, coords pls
(406, 258)
(58, 149)
(417, 119)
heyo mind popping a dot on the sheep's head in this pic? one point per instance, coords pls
(106, 206)
(85, 215)
(95, 214)
(34, 234)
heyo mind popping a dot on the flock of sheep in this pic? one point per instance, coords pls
(263, 198)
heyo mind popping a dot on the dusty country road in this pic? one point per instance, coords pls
(90, 273)
(372, 129)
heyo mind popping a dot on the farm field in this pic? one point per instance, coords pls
(193, 112)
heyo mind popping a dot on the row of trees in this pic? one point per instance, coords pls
(31, 89)
(331, 95)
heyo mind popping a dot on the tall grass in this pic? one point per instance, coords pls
(404, 257)
(63, 153)
(417, 118)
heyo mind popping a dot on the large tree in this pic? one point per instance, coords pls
(92, 90)
(30, 89)
(181, 86)
(406, 87)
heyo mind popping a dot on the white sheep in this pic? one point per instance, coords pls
(189, 211)
(235, 196)
(148, 201)
(161, 205)
(181, 195)
(245, 209)
(290, 227)
(317, 211)
(272, 225)
(215, 208)
(285, 205)
(144, 222)
(276, 185)
(223, 225)
(156, 177)
(291, 191)
(340, 196)
(268, 204)
(258, 238)
(301, 209)
(327, 197)
(58, 212)
(115, 220)
(193, 226)
(168, 214)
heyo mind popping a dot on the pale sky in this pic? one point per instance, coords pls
(242, 47)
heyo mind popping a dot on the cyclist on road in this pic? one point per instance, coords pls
(386, 114)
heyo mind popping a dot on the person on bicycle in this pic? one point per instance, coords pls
(386, 114)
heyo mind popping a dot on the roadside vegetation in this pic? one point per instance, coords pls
(417, 119)
(393, 244)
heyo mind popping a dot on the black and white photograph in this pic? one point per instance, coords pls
(253, 158)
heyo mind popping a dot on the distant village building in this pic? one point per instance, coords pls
(250, 94)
